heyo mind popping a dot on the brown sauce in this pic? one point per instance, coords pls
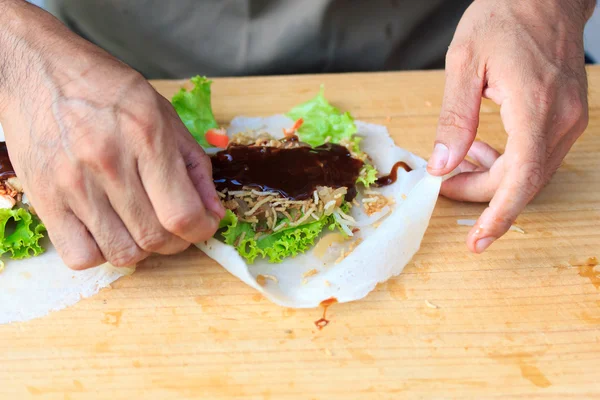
(295, 173)
(393, 175)
(6, 168)
(323, 322)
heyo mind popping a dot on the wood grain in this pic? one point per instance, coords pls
(519, 321)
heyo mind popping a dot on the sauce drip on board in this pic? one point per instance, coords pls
(6, 168)
(295, 173)
(587, 270)
(323, 322)
(393, 175)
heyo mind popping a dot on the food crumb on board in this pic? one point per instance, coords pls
(304, 281)
(328, 352)
(431, 305)
(428, 103)
(327, 283)
(388, 119)
(517, 229)
(404, 197)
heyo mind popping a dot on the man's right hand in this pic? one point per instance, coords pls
(104, 159)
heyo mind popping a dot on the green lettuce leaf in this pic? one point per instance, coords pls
(368, 175)
(228, 220)
(240, 235)
(322, 120)
(195, 109)
(20, 233)
(277, 246)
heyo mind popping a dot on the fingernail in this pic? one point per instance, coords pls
(482, 244)
(439, 158)
(215, 205)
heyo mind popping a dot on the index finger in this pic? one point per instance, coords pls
(524, 177)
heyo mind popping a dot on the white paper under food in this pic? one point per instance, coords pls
(384, 251)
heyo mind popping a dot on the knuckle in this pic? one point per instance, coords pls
(142, 125)
(576, 108)
(143, 120)
(180, 223)
(137, 81)
(137, 87)
(126, 257)
(452, 121)
(200, 164)
(204, 161)
(71, 179)
(460, 56)
(81, 260)
(534, 177)
(97, 152)
(194, 227)
(154, 241)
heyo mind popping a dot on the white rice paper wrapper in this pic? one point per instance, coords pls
(383, 252)
(34, 287)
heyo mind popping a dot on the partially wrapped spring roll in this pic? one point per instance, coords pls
(310, 217)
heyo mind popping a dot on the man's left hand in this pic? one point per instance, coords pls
(526, 56)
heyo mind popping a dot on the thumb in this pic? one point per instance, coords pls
(200, 172)
(459, 117)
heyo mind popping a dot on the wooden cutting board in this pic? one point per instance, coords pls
(521, 320)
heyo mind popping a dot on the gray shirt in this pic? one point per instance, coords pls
(181, 38)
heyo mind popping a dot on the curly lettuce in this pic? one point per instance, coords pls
(20, 233)
(367, 175)
(195, 109)
(323, 121)
(275, 246)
